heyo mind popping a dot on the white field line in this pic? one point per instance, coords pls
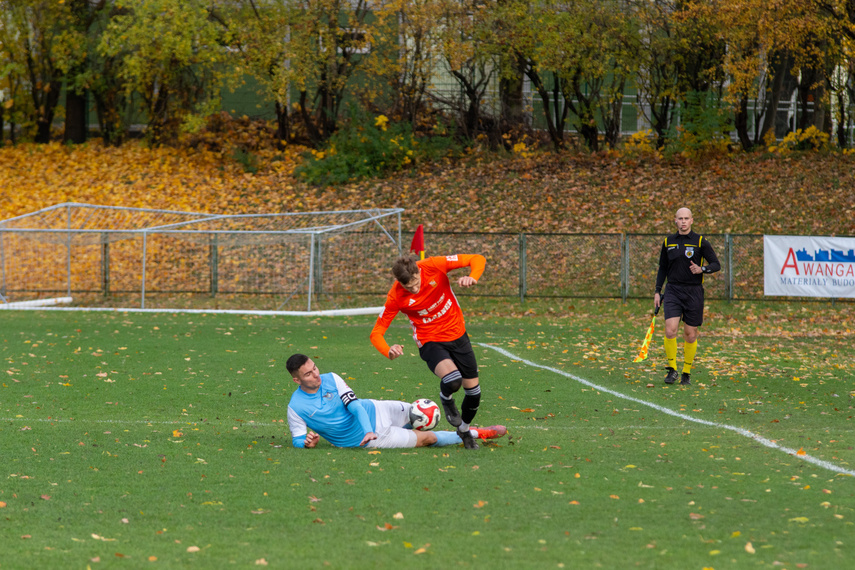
(741, 431)
(245, 423)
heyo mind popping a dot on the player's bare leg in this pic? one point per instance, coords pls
(424, 438)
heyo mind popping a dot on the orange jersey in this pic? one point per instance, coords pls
(434, 311)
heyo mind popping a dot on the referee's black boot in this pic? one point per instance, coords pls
(671, 377)
(685, 380)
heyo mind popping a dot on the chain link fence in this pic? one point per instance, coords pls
(273, 270)
(597, 265)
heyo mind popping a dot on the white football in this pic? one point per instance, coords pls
(424, 414)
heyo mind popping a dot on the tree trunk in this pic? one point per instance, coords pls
(511, 96)
(76, 117)
(283, 125)
(806, 97)
(556, 131)
(556, 96)
(842, 120)
(612, 115)
(45, 112)
(581, 102)
(740, 122)
(324, 108)
(781, 66)
(473, 91)
(661, 120)
(107, 105)
(311, 128)
(158, 115)
(591, 135)
(473, 113)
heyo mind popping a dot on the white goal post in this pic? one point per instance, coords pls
(111, 258)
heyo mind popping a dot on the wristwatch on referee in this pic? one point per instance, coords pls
(704, 269)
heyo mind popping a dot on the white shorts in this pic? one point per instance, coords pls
(391, 417)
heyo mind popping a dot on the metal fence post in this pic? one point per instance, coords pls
(142, 286)
(624, 266)
(311, 270)
(399, 234)
(2, 268)
(68, 258)
(215, 263)
(105, 264)
(522, 246)
(728, 251)
(319, 266)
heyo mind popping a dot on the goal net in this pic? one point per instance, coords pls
(136, 258)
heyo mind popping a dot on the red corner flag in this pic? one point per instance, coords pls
(418, 245)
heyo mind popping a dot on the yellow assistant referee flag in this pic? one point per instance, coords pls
(645, 346)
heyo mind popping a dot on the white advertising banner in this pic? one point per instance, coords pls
(802, 266)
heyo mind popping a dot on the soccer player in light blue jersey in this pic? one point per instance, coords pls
(325, 404)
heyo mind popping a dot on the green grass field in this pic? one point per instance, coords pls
(161, 440)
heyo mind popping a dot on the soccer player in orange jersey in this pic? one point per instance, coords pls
(423, 293)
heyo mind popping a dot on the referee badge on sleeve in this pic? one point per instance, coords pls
(690, 251)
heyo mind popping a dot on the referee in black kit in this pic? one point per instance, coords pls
(681, 260)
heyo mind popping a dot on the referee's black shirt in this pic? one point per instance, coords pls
(675, 256)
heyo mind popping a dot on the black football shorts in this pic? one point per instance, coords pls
(685, 301)
(459, 351)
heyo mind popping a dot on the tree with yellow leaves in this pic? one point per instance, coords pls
(463, 29)
(261, 37)
(788, 47)
(309, 48)
(32, 33)
(414, 55)
(577, 56)
(171, 54)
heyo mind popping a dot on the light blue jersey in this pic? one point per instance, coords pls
(333, 412)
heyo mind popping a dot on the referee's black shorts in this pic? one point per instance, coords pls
(685, 301)
(459, 351)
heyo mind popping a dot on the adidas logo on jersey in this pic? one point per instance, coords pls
(412, 302)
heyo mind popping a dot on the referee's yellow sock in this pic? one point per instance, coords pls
(671, 351)
(689, 350)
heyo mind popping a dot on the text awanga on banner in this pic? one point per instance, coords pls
(805, 266)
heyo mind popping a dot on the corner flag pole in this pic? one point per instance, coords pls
(418, 244)
(642, 353)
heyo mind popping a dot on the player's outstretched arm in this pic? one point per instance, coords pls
(378, 333)
(476, 263)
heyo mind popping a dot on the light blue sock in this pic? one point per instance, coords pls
(444, 438)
